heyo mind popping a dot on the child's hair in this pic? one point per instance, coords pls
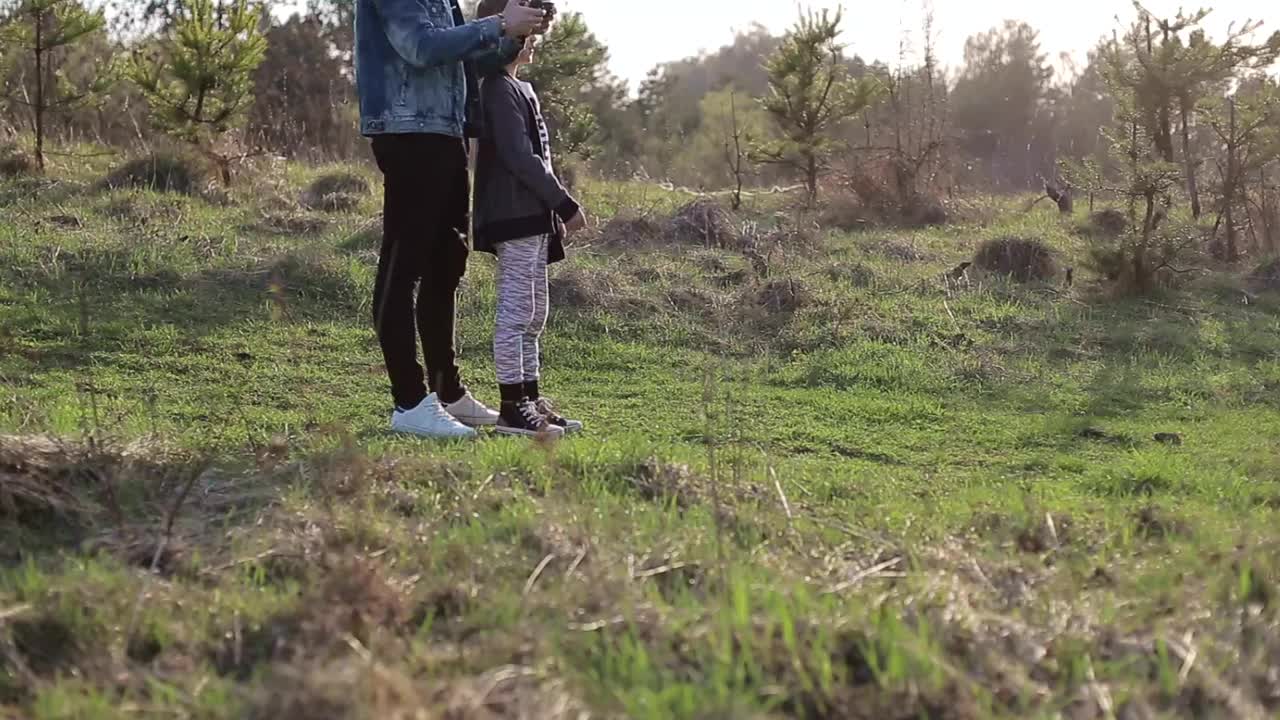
(489, 8)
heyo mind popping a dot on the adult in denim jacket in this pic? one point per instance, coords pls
(418, 105)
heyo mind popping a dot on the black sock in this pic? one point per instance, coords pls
(452, 394)
(512, 393)
(531, 389)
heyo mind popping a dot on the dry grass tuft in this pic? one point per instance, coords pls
(162, 171)
(705, 223)
(1018, 258)
(336, 192)
(14, 162)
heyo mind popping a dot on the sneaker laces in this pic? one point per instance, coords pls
(529, 410)
(439, 413)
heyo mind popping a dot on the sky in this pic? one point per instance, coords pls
(642, 34)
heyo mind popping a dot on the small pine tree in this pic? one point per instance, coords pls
(199, 82)
(572, 79)
(40, 29)
(811, 92)
(1152, 242)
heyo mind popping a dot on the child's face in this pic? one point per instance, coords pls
(529, 51)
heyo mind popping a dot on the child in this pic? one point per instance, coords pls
(522, 215)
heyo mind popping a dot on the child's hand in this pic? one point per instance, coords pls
(577, 222)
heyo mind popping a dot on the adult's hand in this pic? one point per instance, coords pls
(522, 20)
(551, 13)
(577, 223)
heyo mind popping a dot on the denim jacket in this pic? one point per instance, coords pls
(413, 71)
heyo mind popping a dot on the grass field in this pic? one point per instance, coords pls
(825, 484)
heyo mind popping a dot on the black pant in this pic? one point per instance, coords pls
(425, 213)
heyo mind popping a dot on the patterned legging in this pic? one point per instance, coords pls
(522, 308)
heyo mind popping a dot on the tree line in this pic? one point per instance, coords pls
(1158, 114)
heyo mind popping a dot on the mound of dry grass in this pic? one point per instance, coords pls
(14, 162)
(1109, 222)
(704, 223)
(161, 171)
(41, 475)
(1022, 259)
(623, 231)
(844, 211)
(591, 289)
(292, 224)
(901, 250)
(336, 192)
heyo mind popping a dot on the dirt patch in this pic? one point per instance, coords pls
(1018, 258)
(336, 192)
(159, 172)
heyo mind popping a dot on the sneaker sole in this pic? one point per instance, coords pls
(476, 422)
(504, 430)
(434, 436)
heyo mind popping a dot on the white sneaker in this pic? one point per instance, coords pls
(429, 419)
(472, 412)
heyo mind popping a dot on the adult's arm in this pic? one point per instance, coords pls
(423, 42)
(506, 112)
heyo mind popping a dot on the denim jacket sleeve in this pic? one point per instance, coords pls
(506, 114)
(423, 42)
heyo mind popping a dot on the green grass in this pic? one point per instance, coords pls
(878, 497)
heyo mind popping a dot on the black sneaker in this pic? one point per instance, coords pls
(544, 407)
(523, 418)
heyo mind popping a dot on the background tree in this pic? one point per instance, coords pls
(1248, 128)
(199, 82)
(997, 105)
(44, 31)
(338, 20)
(811, 93)
(1171, 77)
(1133, 257)
(574, 85)
(303, 101)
